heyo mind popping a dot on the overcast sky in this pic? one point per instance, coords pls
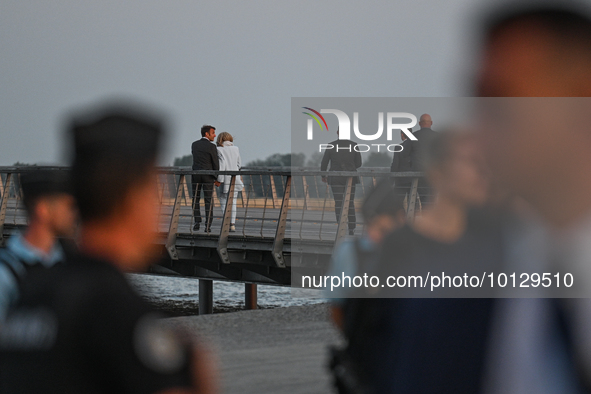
(233, 64)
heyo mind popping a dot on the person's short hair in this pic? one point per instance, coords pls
(224, 136)
(205, 128)
(383, 199)
(114, 151)
(41, 183)
(568, 21)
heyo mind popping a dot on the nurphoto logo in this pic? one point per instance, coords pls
(344, 129)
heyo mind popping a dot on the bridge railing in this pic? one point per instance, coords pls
(276, 204)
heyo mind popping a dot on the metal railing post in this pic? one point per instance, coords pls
(281, 225)
(3, 206)
(187, 194)
(250, 189)
(306, 193)
(273, 190)
(226, 221)
(344, 217)
(264, 211)
(412, 199)
(326, 195)
(174, 221)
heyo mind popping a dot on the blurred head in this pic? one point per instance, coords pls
(48, 200)
(536, 51)
(454, 169)
(114, 177)
(425, 121)
(208, 132)
(383, 211)
(534, 144)
(224, 136)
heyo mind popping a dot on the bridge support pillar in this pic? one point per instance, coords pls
(205, 296)
(250, 296)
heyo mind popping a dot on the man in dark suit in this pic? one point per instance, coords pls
(205, 157)
(411, 158)
(401, 163)
(342, 157)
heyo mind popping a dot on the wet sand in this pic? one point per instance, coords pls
(281, 350)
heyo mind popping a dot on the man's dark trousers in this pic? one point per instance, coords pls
(338, 187)
(200, 182)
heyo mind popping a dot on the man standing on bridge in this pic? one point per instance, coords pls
(424, 135)
(342, 157)
(205, 157)
(411, 158)
(401, 163)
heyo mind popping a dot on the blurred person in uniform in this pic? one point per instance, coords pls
(536, 61)
(343, 156)
(229, 159)
(80, 327)
(51, 214)
(205, 157)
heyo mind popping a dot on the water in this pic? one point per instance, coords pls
(180, 295)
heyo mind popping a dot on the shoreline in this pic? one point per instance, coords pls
(277, 350)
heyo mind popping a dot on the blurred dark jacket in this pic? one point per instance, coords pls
(345, 158)
(434, 345)
(205, 157)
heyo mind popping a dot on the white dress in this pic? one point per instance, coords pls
(229, 157)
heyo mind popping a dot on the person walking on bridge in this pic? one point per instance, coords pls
(343, 156)
(205, 157)
(411, 158)
(229, 157)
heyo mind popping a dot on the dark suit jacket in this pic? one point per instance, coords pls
(424, 136)
(401, 162)
(346, 159)
(205, 157)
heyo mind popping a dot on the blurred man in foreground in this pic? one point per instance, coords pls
(51, 213)
(80, 327)
(537, 145)
(437, 345)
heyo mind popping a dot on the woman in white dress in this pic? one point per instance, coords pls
(229, 156)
